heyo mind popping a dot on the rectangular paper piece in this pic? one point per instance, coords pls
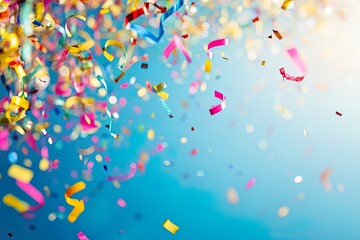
(168, 225)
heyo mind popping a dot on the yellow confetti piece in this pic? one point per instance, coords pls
(44, 164)
(151, 134)
(104, 11)
(263, 63)
(286, 4)
(171, 227)
(20, 173)
(78, 205)
(208, 66)
(12, 201)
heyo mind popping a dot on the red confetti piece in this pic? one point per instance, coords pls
(340, 114)
(277, 34)
(255, 19)
(192, 128)
(185, 36)
(194, 152)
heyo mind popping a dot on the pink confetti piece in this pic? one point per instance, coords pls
(81, 236)
(44, 152)
(4, 140)
(221, 106)
(124, 177)
(176, 42)
(216, 43)
(124, 85)
(250, 183)
(121, 202)
(87, 121)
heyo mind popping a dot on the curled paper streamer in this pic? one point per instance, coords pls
(139, 12)
(34, 194)
(171, 227)
(101, 79)
(144, 33)
(17, 106)
(78, 16)
(77, 204)
(216, 43)
(221, 106)
(299, 63)
(124, 177)
(176, 42)
(71, 101)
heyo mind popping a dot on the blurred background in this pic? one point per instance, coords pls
(276, 163)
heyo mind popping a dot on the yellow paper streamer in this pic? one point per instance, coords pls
(89, 43)
(71, 101)
(78, 16)
(15, 104)
(78, 205)
(171, 227)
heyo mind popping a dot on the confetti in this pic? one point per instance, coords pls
(78, 16)
(144, 33)
(283, 211)
(285, 4)
(208, 66)
(277, 34)
(176, 42)
(324, 178)
(338, 113)
(124, 177)
(255, 19)
(20, 173)
(221, 106)
(216, 43)
(263, 63)
(171, 227)
(144, 65)
(77, 204)
(232, 195)
(299, 63)
(82, 236)
(250, 183)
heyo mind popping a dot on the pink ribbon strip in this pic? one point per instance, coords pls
(34, 194)
(216, 43)
(299, 63)
(176, 42)
(221, 106)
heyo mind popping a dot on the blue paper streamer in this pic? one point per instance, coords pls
(146, 34)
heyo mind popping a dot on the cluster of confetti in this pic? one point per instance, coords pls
(64, 69)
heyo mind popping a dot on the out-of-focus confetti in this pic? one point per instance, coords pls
(250, 183)
(232, 195)
(82, 236)
(325, 179)
(283, 211)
